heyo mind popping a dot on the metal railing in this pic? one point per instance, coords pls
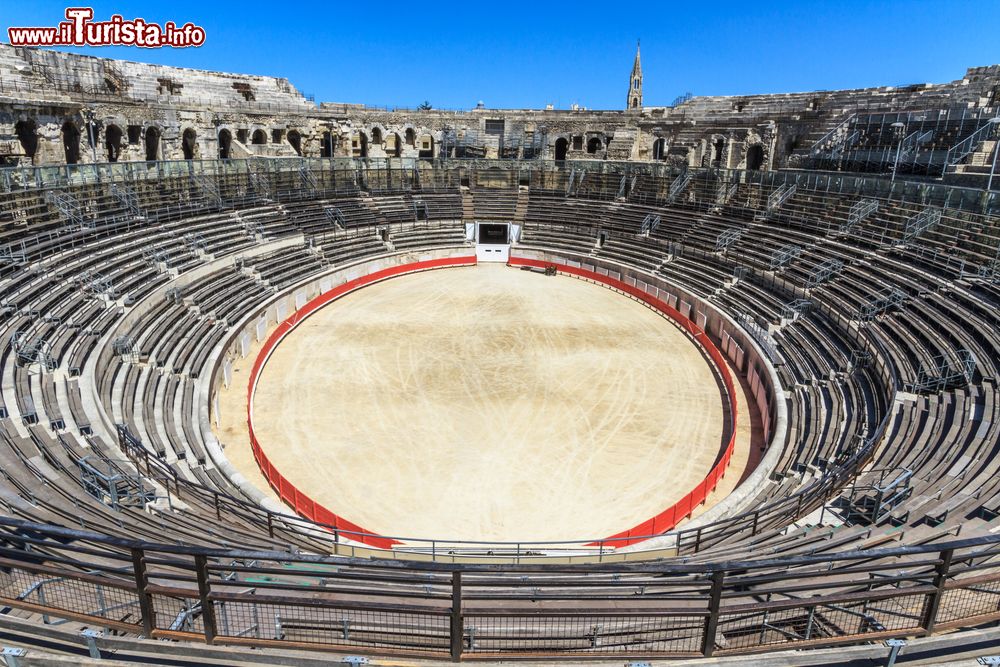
(280, 599)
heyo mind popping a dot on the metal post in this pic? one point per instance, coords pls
(934, 599)
(145, 599)
(457, 625)
(894, 646)
(712, 622)
(901, 128)
(204, 594)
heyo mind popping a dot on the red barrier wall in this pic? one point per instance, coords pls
(306, 507)
(291, 496)
(682, 509)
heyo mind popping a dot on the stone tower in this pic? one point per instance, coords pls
(635, 83)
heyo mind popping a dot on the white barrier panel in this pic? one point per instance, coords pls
(244, 344)
(300, 299)
(685, 309)
(281, 311)
(227, 373)
(325, 285)
(215, 410)
(672, 301)
(261, 328)
(701, 320)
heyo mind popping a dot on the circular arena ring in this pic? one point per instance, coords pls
(307, 507)
(858, 316)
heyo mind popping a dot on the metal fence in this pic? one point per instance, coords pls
(657, 609)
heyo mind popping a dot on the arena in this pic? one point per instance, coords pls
(287, 383)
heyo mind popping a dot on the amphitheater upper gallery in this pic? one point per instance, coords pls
(280, 377)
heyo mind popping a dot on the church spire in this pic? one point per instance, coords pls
(635, 83)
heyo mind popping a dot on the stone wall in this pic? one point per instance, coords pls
(57, 107)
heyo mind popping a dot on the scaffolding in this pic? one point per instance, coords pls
(759, 334)
(927, 219)
(777, 198)
(859, 212)
(336, 216)
(28, 352)
(111, 486)
(196, 242)
(12, 254)
(824, 272)
(261, 184)
(70, 209)
(649, 224)
(127, 198)
(725, 193)
(885, 300)
(208, 188)
(678, 184)
(874, 497)
(942, 372)
(727, 238)
(796, 308)
(309, 183)
(784, 256)
(93, 283)
(124, 346)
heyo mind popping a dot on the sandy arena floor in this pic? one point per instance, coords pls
(486, 403)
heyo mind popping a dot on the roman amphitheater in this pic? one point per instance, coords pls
(299, 383)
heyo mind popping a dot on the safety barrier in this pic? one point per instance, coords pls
(289, 494)
(683, 508)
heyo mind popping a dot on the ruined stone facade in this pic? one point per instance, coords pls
(58, 108)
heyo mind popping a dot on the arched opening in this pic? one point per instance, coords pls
(755, 157)
(562, 145)
(71, 142)
(259, 137)
(326, 150)
(635, 103)
(660, 149)
(188, 143)
(225, 144)
(376, 136)
(594, 145)
(113, 142)
(26, 131)
(426, 146)
(360, 144)
(411, 137)
(394, 145)
(720, 149)
(152, 144)
(295, 141)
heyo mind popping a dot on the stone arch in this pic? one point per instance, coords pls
(359, 144)
(594, 144)
(376, 136)
(152, 143)
(71, 142)
(562, 147)
(189, 143)
(660, 149)
(259, 137)
(295, 141)
(755, 157)
(225, 144)
(27, 135)
(113, 142)
(411, 136)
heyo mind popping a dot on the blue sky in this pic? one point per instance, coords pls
(513, 54)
